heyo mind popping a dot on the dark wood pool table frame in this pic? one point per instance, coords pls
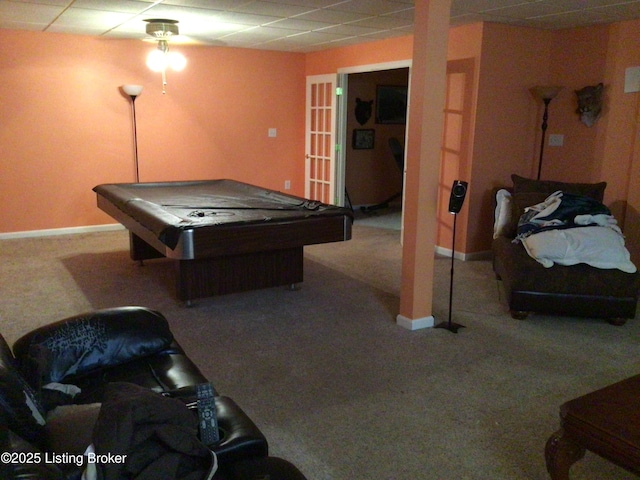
(227, 258)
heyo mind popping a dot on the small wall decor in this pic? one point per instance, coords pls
(363, 110)
(590, 103)
(391, 104)
(363, 138)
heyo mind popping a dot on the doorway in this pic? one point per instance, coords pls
(375, 112)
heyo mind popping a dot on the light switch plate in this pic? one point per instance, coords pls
(273, 132)
(632, 80)
(556, 140)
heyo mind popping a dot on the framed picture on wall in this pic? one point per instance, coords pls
(391, 104)
(363, 138)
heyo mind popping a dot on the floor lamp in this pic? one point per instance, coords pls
(546, 94)
(134, 91)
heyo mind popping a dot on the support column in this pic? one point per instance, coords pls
(424, 141)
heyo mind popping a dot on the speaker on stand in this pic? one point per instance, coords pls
(456, 200)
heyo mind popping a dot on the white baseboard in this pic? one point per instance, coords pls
(61, 231)
(416, 323)
(446, 252)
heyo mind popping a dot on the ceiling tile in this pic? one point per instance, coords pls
(262, 23)
(25, 13)
(125, 6)
(369, 7)
(273, 9)
(329, 15)
(299, 24)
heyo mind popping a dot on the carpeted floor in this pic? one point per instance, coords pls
(336, 386)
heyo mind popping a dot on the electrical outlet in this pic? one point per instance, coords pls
(272, 133)
(287, 184)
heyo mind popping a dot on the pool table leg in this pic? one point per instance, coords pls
(139, 250)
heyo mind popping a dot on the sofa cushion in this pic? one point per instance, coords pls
(91, 341)
(169, 370)
(593, 190)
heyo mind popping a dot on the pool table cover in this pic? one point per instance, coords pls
(172, 209)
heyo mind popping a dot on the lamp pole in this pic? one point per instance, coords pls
(545, 117)
(133, 91)
(135, 137)
(546, 93)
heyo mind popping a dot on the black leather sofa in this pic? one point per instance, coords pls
(55, 380)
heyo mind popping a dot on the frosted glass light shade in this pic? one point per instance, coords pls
(158, 61)
(132, 90)
(177, 61)
(545, 92)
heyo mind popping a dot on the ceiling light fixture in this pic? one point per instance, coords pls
(161, 58)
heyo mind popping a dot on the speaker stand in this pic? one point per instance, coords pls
(449, 325)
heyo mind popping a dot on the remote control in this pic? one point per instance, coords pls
(207, 417)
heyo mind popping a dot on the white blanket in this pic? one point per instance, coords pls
(599, 246)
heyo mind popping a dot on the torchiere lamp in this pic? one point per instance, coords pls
(546, 93)
(134, 91)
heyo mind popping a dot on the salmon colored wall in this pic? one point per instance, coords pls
(580, 62)
(617, 156)
(606, 151)
(513, 59)
(370, 53)
(66, 127)
(463, 55)
(615, 130)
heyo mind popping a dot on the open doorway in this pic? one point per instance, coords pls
(375, 123)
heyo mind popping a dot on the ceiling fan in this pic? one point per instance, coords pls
(163, 30)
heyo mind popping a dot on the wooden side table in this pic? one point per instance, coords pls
(605, 422)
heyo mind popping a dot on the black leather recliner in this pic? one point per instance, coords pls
(53, 382)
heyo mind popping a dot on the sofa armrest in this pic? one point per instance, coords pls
(28, 461)
(90, 341)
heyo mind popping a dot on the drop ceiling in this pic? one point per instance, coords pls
(293, 25)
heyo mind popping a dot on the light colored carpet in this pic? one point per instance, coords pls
(390, 217)
(336, 386)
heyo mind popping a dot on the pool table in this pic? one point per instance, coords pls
(224, 236)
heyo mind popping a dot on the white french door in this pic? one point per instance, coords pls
(320, 138)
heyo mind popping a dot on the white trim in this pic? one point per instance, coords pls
(339, 169)
(61, 231)
(416, 323)
(311, 80)
(446, 252)
(376, 66)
